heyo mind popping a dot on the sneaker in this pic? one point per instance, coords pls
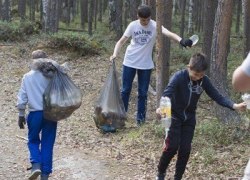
(108, 129)
(138, 123)
(35, 171)
(160, 177)
(44, 177)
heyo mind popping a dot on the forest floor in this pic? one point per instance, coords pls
(81, 150)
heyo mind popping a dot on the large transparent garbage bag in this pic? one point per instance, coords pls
(109, 112)
(61, 98)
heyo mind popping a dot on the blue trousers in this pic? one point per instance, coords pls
(41, 139)
(128, 76)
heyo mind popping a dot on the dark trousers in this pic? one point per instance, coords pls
(179, 140)
(128, 75)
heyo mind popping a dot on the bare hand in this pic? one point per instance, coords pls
(112, 58)
(240, 107)
(158, 113)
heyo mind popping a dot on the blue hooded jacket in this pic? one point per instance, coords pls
(184, 94)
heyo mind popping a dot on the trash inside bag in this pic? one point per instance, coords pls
(61, 98)
(109, 112)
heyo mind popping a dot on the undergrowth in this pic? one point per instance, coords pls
(76, 42)
(17, 31)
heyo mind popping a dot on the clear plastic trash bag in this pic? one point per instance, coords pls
(246, 99)
(109, 109)
(61, 98)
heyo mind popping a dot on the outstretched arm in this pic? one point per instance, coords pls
(118, 46)
(220, 99)
(171, 35)
(177, 38)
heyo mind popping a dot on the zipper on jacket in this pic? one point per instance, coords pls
(189, 99)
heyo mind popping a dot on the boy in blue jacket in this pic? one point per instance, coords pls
(184, 90)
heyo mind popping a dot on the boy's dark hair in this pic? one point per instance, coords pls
(198, 62)
(144, 11)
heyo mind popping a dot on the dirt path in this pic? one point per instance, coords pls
(78, 152)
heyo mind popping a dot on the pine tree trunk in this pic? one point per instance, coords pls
(95, 13)
(73, 7)
(133, 9)
(41, 12)
(32, 10)
(90, 18)
(38, 4)
(220, 50)
(112, 14)
(126, 13)
(84, 12)
(105, 5)
(6, 10)
(118, 20)
(100, 9)
(247, 25)
(182, 23)
(237, 26)
(22, 9)
(190, 16)
(167, 22)
(209, 16)
(175, 7)
(53, 15)
(200, 19)
(1, 8)
(159, 49)
(45, 14)
(152, 4)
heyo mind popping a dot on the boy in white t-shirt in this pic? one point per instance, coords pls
(241, 83)
(138, 57)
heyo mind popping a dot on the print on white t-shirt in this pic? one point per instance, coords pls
(142, 37)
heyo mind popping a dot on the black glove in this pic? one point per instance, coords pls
(21, 122)
(186, 42)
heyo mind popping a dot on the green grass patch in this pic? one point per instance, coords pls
(215, 132)
(76, 42)
(16, 31)
(208, 155)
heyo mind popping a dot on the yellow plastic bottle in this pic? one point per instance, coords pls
(165, 108)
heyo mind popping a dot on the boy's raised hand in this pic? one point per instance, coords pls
(240, 107)
(186, 42)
